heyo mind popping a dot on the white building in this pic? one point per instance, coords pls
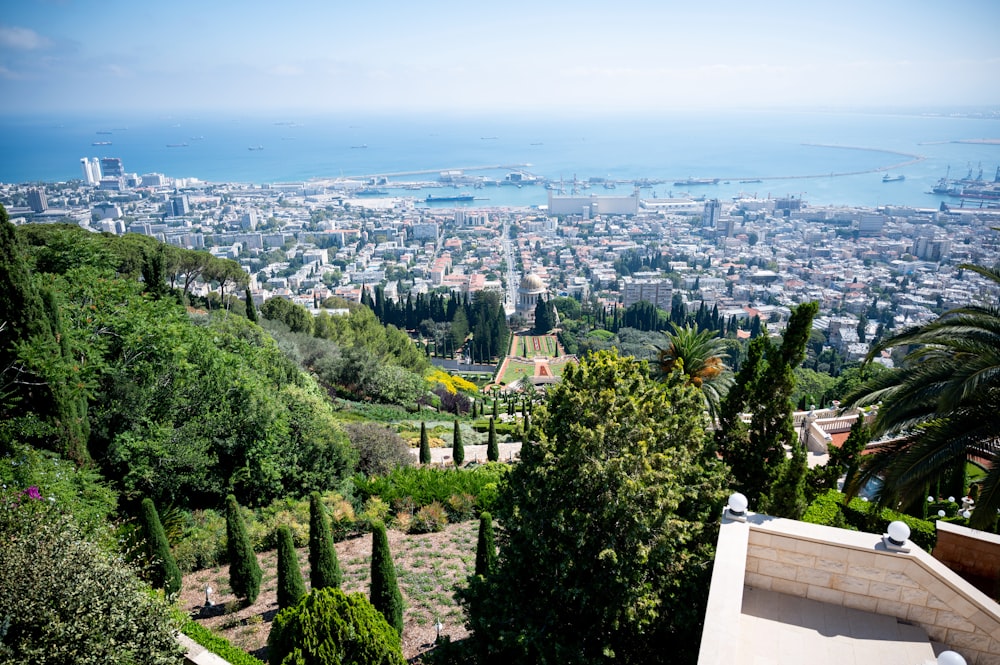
(531, 289)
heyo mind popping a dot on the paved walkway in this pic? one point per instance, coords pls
(508, 453)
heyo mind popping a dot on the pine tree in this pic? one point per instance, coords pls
(251, 310)
(425, 445)
(324, 568)
(486, 552)
(492, 451)
(527, 427)
(291, 588)
(787, 497)
(384, 592)
(244, 571)
(457, 449)
(164, 573)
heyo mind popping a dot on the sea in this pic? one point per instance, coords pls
(823, 157)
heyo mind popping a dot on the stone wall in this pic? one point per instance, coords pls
(975, 555)
(853, 571)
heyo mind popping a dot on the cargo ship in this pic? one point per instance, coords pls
(447, 199)
(696, 181)
(893, 178)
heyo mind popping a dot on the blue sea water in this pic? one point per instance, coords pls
(728, 145)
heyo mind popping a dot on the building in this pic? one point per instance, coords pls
(871, 225)
(37, 201)
(530, 290)
(426, 231)
(111, 167)
(91, 170)
(592, 205)
(712, 213)
(657, 291)
(178, 206)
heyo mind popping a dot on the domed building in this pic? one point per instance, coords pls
(531, 289)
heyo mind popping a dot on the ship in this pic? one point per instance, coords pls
(449, 198)
(696, 181)
(746, 182)
(177, 145)
(259, 147)
(359, 147)
(893, 178)
(101, 143)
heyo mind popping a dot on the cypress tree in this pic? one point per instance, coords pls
(496, 408)
(291, 588)
(527, 427)
(251, 310)
(425, 445)
(492, 451)
(384, 591)
(486, 551)
(164, 573)
(457, 449)
(324, 568)
(244, 571)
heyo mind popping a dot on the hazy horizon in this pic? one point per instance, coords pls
(559, 57)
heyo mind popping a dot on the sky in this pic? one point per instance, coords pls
(499, 57)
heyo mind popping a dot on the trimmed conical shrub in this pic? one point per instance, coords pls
(330, 627)
(425, 445)
(492, 450)
(324, 568)
(291, 588)
(486, 551)
(496, 409)
(244, 571)
(384, 592)
(164, 573)
(457, 449)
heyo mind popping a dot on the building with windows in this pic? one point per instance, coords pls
(530, 290)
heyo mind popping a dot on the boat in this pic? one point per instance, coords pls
(449, 198)
(259, 147)
(893, 178)
(747, 182)
(370, 191)
(103, 132)
(177, 145)
(101, 143)
(359, 147)
(696, 181)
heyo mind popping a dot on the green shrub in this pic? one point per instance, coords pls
(461, 507)
(859, 515)
(163, 571)
(324, 568)
(65, 599)
(423, 485)
(291, 588)
(217, 644)
(203, 542)
(486, 551)
(329, 627)
(244, 571)
(432, 518)
(384, 590)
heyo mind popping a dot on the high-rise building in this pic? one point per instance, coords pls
(111, 167)
(710, 218)
(37, 201)
(91, 170)
(178, 206)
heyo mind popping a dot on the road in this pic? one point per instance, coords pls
(512, 282)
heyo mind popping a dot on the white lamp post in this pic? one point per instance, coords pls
(895, 539)
(950, 658)
(736, 508)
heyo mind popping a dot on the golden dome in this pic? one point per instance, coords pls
(532, 282)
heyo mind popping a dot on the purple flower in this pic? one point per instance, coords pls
(33, 492)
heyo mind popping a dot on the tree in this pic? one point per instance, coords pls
(610, 522)
(329, 627)
(251, 309)
(244, 571)
(545, 319)
(457, 449)
(384, 591)
(942, 403)
(700, 355)
(763, 388)
(492, 450)
(67, 599)
(164, 573)
(425, 444)
(486, 550)
(324, 568)
(291, 588)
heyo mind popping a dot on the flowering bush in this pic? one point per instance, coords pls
(64, 598)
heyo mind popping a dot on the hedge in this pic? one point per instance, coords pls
(220, 646)
(860, 515)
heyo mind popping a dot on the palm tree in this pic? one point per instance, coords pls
(942, 404)
(699, 355)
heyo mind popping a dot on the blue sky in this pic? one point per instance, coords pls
(506, 56)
